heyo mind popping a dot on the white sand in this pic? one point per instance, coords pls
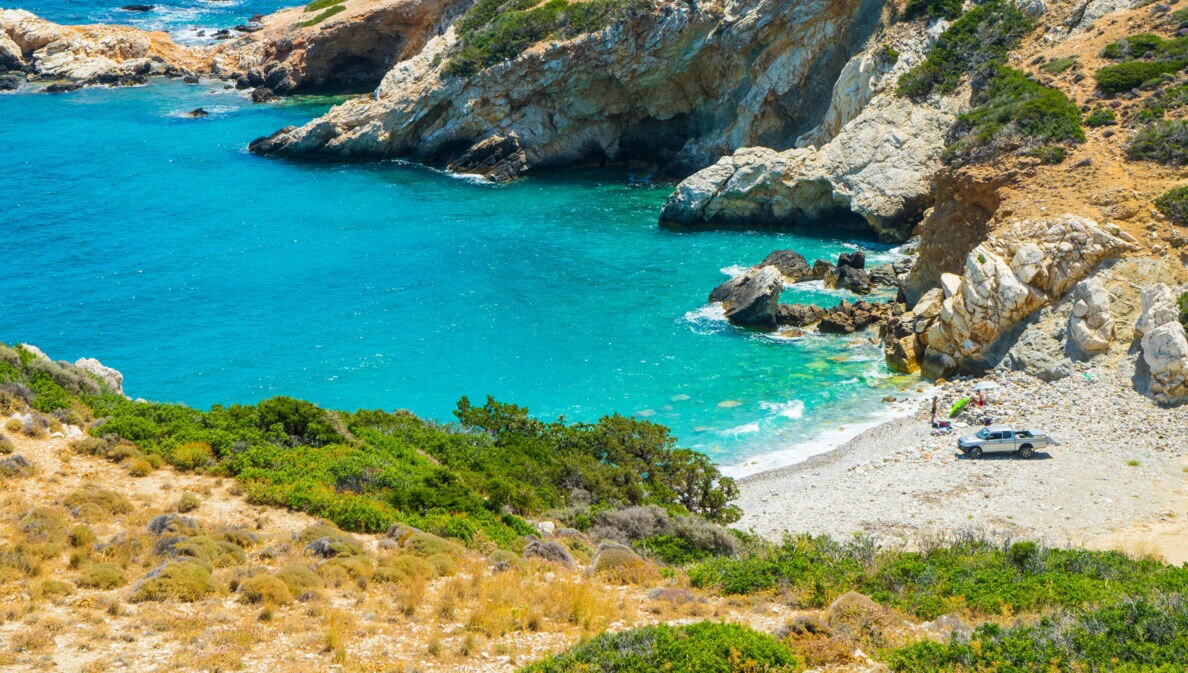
(897, 481)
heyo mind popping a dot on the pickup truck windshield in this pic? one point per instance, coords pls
(983, 433)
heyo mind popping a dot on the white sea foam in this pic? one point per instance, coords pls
(734, 269)
(791, 409)
(710, 313)
(823, 441)
(744, 429)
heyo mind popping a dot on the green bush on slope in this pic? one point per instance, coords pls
(369, 469)
(1174, 205)
(1146, 58)
(697, 648)
(1164, 142)
(963, 574)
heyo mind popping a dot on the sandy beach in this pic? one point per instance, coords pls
(1118, 476)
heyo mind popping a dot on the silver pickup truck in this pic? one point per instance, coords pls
(1003, 438)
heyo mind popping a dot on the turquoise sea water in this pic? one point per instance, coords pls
(207, 275)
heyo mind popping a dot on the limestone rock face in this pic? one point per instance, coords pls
(1165, 352)
(1019, 269)
(1090, 327)
(11, 55)
(677, 86)
(1159, 308)
(873, 156)
(348, 52)
(112, 377)
(752, 297)
(89, 54)
(1089, 11)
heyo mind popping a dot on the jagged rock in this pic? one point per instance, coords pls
(1032, 8)
(847, 318)
(497, 157)
(549, 551)
(791, 264)
(350, 52)
(679, 86)
(798, 315)
(902, 347)
(138, 8)
(1090, 327)
(262, 94)
(821, 268)
(883, 275)
(10, 81)
(855, 259)
(1092, 10)
(1005, 281)
(112, 377)
(197, 113)
(752, 297)
(1165, 352)
(848, 278)
(172, 523)
(1159, 308)
(11, 56)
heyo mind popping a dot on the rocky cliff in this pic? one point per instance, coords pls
(871, 158)
(673, 87)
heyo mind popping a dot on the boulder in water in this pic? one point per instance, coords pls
(790, 263)
(138, 8)
(751, 298)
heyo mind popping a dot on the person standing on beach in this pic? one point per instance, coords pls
(934, 403)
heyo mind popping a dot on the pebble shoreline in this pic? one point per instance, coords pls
(1121, 460)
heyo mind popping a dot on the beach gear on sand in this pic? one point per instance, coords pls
(958, 407)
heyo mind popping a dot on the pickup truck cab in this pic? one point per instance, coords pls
(1002, 438)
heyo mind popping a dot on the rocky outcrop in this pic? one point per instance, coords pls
(847, 318)
(1164, 347)
(349, 52)
(791, 264)
(1090, 326)
(1016, 271)
(958, 220)
(1088, 11)
(88, 54)
(750, 298)
(675, 87)
(111, 377)
(876, 157)
(849, 274)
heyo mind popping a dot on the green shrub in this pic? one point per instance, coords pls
(932, 9)
(1182, 302)
(1163, 101)
(974, 45)
(400, 569)
(81, 537)
(140, 468)
(203, 548)
(697, 648)
(42, 524)
(1102, 116)
(1058, 65)
(495, 30)
(188, 502)
(1014, 111)
(962, 574)
(322, 4)
(1163, 142)
(1049, 154)
(94, 503)
(101, 576)
(1114, 79)
(54, 589)
(191, 455)
(1131, 636)
(336, 9)
(1174, 205)
(6, 446)
(299, 579)
(185, 581)
(889, 55)
(265, 588)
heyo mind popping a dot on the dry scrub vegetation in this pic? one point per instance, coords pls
(100, 566)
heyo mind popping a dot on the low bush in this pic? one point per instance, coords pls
(1049, 154)
(1138, 635)
(1174, 205)
(1015, 112)
(93, 503)
(299, 579)
(1102, 116)
(54, 589)
(400, 569)
(1114, 79)
(185, 581)
(962, 574)
(101, 576)
(265, 588)
(932, 9)
(140, 468)
(697, 648)
(81, 537)
(1163, 142)
(1182, 303)
(1164, 100)
(191, 455)
(6, 446)
(1058, 65)
(973, 46)
(336, 9)
(188, 502)
(203, 548)
(42, 524)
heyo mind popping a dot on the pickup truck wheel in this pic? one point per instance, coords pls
(975, 452)
(1026, 451)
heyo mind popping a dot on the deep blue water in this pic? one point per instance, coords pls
(207, 275)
